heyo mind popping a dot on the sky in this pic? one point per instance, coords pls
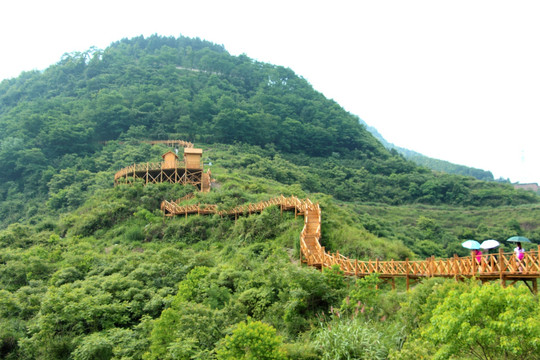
(456, 80)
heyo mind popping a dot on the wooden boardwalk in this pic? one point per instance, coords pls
(502, 266)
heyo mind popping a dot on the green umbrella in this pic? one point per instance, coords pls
(518, 239)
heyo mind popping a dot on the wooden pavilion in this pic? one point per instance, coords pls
(171, 170)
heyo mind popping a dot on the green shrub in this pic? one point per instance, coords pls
(253, 340)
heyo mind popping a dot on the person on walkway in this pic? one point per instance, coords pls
(478, 256)
(520, 254)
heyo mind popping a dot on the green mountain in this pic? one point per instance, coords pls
(93, 271)
(52, 123)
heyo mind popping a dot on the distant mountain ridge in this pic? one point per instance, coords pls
(431, 163)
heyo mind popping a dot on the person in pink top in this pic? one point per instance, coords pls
(520, 254)
(478, 255)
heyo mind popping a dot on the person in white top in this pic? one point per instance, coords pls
(520, 253)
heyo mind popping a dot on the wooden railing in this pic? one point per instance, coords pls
(171, 208)
(172, 143)
(178, 143)
(135, 168)
(492, 266)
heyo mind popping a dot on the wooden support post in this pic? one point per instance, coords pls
(455, 266)
(377, 265)
(322, 257)
(356, 267)
(526, 284)
(501, 268)
(538, 257)
(407, 272)
(474, 265)
(535, 285)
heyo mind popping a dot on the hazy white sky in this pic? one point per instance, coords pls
(457, 80)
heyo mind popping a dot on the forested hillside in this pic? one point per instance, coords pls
(93, 271)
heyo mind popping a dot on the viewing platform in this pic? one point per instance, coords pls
(171, 170)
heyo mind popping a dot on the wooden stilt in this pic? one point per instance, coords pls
(407, 272)
(501, 268)
(538, 258)
(474, 264)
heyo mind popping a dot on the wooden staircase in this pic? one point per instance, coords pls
(311, 249)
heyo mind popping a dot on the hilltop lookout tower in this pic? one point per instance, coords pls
(171, 170)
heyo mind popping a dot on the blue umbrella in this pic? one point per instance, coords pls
(518, 239)
(471, 244)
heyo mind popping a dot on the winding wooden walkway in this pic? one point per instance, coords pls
(501, 266)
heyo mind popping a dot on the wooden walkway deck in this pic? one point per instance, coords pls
(153, 173)
(501, 266)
